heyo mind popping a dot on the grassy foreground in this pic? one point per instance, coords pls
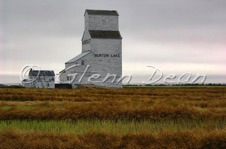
(114, 127)
(172, 140)
(144, 117)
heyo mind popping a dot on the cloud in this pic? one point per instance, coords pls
(166, 32)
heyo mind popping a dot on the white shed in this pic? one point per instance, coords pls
(40, 79)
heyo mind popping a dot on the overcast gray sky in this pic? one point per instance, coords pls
(175, 36)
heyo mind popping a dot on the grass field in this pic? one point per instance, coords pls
(133, 117)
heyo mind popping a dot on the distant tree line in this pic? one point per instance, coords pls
(188, 84)
(10, 86)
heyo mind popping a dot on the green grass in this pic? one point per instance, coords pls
(115, 127)
(6, 108)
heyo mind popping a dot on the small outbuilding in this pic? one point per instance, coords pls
(40, 79)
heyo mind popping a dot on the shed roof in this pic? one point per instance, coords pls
(41, 73)
(78, 57)
(105, 34)
(102, 12)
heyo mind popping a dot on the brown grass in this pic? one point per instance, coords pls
(177, 140)
(130, 103)
(135, 104)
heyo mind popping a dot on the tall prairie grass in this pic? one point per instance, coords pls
(197, 139)
(144, 117)
(113, 127)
